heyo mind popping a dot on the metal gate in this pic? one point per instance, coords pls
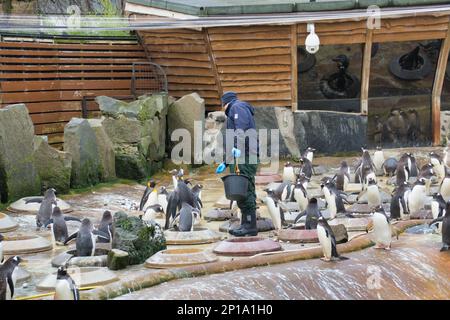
(148, 78)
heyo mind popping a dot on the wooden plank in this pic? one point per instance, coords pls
(60, 46)
(248, 45)
(43, 129)
(336, 39)
(271, 103)
(69, 60)
(246, 29)
(266, 96)
(41, 96)
(42, 107)
(182, 63)
(65, 75)
(437, 88)
(191, 86)
(176, 55)
(255, 69)
(39, 118)
(197, 72)
(251, 52)
(282, 59)
(55, 138)
(191, 80)
(173, 35)
(47, 53)
(227, 36)
(415, 36)
(263, 82)
(213, 60)
(201, 93)
(178, 48)
(256, 76)
(65, 68)
(365, 75)
(294, 68)
(259, 88)
(14, 86)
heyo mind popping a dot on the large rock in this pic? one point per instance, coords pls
(123, 129)
(132, 235)
(184, 114)
(18, 174)
(81, 142)
(54, 166)
(105, 151)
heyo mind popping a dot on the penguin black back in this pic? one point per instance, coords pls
(6, 277)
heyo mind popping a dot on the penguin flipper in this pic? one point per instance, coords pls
(101, 234)
(34, 200)
(144, 198)
(71, 237)
(70, 218)
(11, 285)
(301, 214)
(343, 258)
(50, 221)
(439, 219)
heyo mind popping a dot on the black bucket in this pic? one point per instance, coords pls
(235, 186)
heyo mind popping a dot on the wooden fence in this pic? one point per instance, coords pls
(52, 77)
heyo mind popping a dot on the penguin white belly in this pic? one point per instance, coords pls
(288, 174)
(152, 200)
(94, 240)
(301, 200)
(310, 156)
(175, 182)
(162, 201)
(378, 160)
(332, 208)
(346, 182)
(427, 186)
(373, 196)
(403, 211)
(416, 199)
(325, 241)
(445, 189)
(274, 213)
(435, 209)
(63, 291)
(381, 230)
(305, 185)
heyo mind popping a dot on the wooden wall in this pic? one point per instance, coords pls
(52, 78)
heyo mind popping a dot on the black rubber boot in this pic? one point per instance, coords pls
(248, 228)
(243, 222)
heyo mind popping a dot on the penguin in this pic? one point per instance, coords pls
(1, 248)
(398, 207)
(382, 234)
(446, 158)
(373, 194)
(306, 167)
(65, 287)
(86, 238)
(46, 208)
(333, 197)
(445, 219)
(427, 172)
(288, 173)
(438, 165)
(150, 196)
(327, 241)
(416, 197)
(309, 154)
(185, 219)
(106, 226)
(180, 194)
(412, 166)
(152, 212)
(284, 191)
(163, 195)
(365, 169)
(390, 166)
(8, 277)
(304, 180)
(59, 226)
(445, 185)
(378, 159)
(176, 176)
(300, 195)
(312, 213)
(343, 177)
(197, 191)
(275, 211)
(402, 174)
(438, 207)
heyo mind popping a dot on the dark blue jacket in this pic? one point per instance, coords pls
(240, 115)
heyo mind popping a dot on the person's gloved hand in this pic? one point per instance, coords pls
(236, 152)
(221, 168)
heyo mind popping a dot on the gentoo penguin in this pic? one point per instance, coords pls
(416, 197)
(306, 167)
(398, 207)
(150, 196)
(390, 166)
(59, 226)
(65, 287)
(106, 226)
(153, 212)
(333, 197)
(309, 154)
(300, 195)
(86, 238)
(312, 213)
(1, 248)
(445, 185)
(438, 207)
(197, 191)
(373, 194)
(180, 194)
(402, 173)
(275, 211)
(8, 277)
(284, 191)
(288, 173)
(327, 241)
(446, 158)
(176, 176)
(304, 180)
(185, 219)
(163, 195)
(427, 172)
(445, 227)
(343, 176)
(412, 166)
(382, 234)
(438, 165)
(45, 210)
(378, 159)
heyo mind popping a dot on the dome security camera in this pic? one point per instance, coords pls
(312, 41)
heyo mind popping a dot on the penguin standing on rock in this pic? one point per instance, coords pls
(438, 165)
(343, 177)
(300, 195)
(59, 226)
(106, 226)
(416, 197)
(427, 172)
(306, 167)
(46, 208)
(402, 173)
(8, 277)
(86, 239)
(412, 166)
(445, 219)
(275, 210)
(390, 166)
(309, 154)
(312, 213)
(399, 209)
(150, 196)
(378, 159)
(65, 288)
(333, 197)
(185, 219)
(288, 173)
(373, 194)
(163, 196)
(327, 241)
(180, 194)
(438, 207)
(445, 185)
(382, 232)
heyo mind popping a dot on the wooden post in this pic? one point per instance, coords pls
(437, 89)
(213, 61)
(365, 74)
(294, 68)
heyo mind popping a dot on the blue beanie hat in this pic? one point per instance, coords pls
(228, 97)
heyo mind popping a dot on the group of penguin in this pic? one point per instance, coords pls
(406, 199)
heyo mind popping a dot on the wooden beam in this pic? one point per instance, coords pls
(365, 74)
(437, 88)
(212, 59)
(294, 68)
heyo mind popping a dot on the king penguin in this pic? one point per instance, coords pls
(288, 173)
(382, 234)
(445, 219)
(65, 287)
(8, 277)
(327, 241)
(150, 196)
